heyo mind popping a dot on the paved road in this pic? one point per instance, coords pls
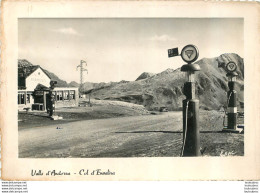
(135, 136)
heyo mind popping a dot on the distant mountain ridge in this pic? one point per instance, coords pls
(165, 88)
(74, 84)
(87, 86)
(144, 75)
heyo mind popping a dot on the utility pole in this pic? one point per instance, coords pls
(82, 69)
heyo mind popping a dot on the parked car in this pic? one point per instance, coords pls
(163, 109)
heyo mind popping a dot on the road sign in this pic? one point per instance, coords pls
(190, 53)
(173, 52)
(231, 66)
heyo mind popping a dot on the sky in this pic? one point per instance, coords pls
(118, 49)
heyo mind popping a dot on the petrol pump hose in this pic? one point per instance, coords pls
(185, 130)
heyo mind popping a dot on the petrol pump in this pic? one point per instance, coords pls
(51, 98)
(231, 68)
(191, 138)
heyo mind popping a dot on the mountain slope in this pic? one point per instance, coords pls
(165, 88)
(74, 84)
(54, 77)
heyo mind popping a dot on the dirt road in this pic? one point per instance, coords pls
(135, 136)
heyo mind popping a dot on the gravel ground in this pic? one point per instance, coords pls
(100, 109)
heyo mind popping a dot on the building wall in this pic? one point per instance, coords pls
(69, 95)
(37, 77)
(24, 99)
(68, 101)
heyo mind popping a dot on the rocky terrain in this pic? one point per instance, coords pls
(166, 88)
(145, 75)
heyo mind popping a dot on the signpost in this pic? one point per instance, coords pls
(191, 139)
(173, 52)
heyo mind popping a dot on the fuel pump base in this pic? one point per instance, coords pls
(191, 138)
(56, 117)
(237, 130)
(232, 126)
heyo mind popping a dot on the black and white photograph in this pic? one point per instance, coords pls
(129, 91)
(130, 87)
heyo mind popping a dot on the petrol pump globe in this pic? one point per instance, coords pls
(231, 67)
(190, 53)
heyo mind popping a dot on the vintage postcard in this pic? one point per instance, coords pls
(130, 90)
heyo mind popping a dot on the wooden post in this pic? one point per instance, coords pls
(44, 101)
(25, 97)
(19, 98)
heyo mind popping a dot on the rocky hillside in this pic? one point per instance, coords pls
(98, 86)
(60, 83)
(165, 88)
(74, 84)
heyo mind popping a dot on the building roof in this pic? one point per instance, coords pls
(25, 69)
(41, 87)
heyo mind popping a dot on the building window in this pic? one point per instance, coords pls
(72, 94)
(59, 96)
(21, 98)
(66, 95)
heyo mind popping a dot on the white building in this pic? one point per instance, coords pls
(33, 89)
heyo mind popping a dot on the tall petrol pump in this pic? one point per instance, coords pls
(191, 138)
(231, 68)
(51, 98)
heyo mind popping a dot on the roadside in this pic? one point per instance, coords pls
(99, 109)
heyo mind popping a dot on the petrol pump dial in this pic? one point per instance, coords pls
(190, 53)
(231, 66)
